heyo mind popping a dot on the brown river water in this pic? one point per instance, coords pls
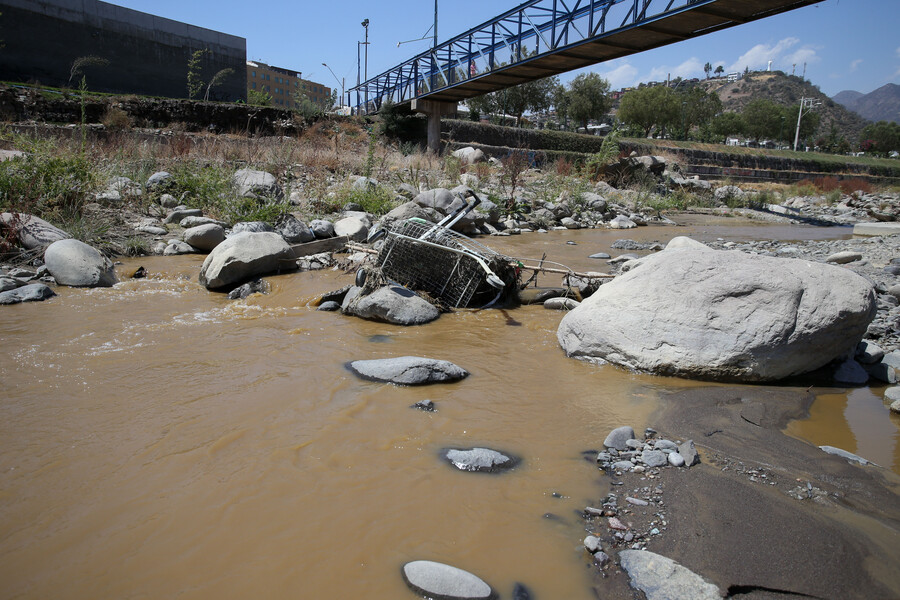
(158, 440)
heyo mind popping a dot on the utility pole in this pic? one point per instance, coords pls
(809, 104)
(365, 24)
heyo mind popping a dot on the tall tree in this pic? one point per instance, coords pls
(530, 96)
(719, 70)
(762, 119)
(649, 107)
(707, 68)
(699, 107)
(588, 98)
(727, 124)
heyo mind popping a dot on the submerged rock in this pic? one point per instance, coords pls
(483, 460)
(33, 292)
(392, 304)
(722, 315)
(444, 582)
(408, 370)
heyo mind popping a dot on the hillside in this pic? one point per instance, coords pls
(787, 90)
(881, 105)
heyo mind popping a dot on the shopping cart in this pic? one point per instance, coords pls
(447, 265)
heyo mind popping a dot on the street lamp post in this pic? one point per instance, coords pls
(365, 25)
(340, 82)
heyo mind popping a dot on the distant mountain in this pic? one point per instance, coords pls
(881, 105)
(787, 90)
(847, 97)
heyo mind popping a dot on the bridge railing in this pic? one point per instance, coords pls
(528, 32)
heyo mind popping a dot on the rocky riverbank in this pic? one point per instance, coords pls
(761, 515)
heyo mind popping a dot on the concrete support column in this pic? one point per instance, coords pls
(434, 109)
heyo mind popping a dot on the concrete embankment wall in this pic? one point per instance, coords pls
(542, 146)
(147, 54)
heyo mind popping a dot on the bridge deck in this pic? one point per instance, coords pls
(692, 18)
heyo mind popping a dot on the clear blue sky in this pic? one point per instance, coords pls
(846, 44)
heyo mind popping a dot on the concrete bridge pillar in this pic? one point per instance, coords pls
(434, 109)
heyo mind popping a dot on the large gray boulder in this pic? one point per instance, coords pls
(710, 314)
(205, 237)
(392, 304)
(662, 578)
(439, 199)
(245, 256)
(408, 370)
(469, 155)
(76, 264)
(250, 183)
(32, 232)
(444, 582)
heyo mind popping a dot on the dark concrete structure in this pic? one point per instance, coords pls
(147, 54)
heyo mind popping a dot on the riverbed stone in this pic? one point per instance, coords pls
(353, 228)
(322, 229)
(245, 256)
(618, 438)
(392, 304)
(408, 370)
(661, 578)
(688, 452)
(439, 199)
(654, 458)
(293, 230)
(33, 292)
(850, 372)
(560, 303)
(895, 406)
(844, 257)
(483, 460)
(178, 214)
(31, 231)
(722, 315)
(892, 394)
(845, 454)
(622, 222)
(252, 183)
(177, 247)
(868, 352)
(204, 237)
(444, 582)
(251, 227)
(76, 264)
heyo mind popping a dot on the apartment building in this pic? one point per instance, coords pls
(283, 84)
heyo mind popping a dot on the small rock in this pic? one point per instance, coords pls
(619, 437)
(689, 453)
(842, 258)
(329, 306)
(426, 405)
(623, 465)
(600, 256)
(676, 460)
(636, 501)
(483, 460)
(592, 544)
(561, 303)
(258, 286)
(654, 458)
(615, 523)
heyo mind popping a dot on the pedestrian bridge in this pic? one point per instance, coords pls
(541, 38)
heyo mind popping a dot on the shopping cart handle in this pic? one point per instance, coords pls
(472, 193)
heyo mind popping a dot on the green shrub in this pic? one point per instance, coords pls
(45, 184)
(374, 199)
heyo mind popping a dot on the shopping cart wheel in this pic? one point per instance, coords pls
(361, 275)
(495, 282)
(376, 235)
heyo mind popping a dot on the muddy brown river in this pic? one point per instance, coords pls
(158, 440)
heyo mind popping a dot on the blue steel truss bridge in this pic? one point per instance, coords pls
(540, 38)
